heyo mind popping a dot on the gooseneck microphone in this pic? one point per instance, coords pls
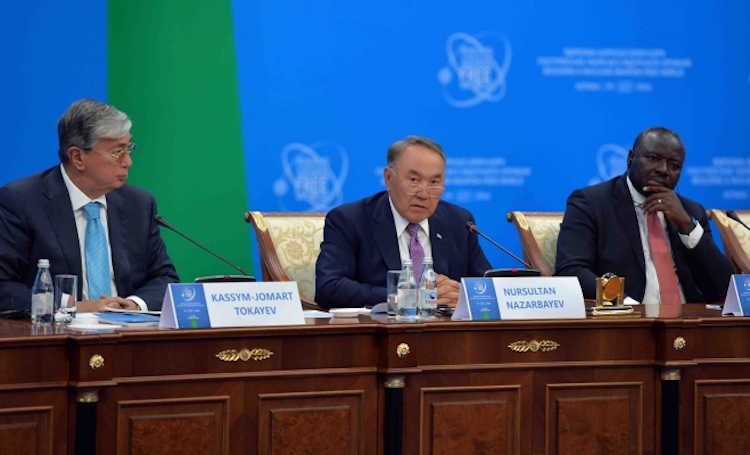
(732, 215)
(473, 228)
(162, 222)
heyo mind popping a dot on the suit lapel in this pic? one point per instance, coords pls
(628, 219)
(116, 221)
(441, 252)
(384, 232)
(62, 219)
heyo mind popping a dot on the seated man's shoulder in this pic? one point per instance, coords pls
(30, 182)
(452, 209)
(133, 194)
(359, 207)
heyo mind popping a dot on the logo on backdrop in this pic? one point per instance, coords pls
(313, 177)
(611, 161)
(477, 67)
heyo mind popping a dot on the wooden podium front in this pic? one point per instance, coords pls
(643, 385)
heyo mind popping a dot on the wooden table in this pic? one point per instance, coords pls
(639, 385)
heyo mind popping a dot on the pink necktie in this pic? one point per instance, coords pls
(416, 252)
(668, 286)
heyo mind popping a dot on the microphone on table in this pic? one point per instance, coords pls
(503, 272)
(247, 277)
(731, 214)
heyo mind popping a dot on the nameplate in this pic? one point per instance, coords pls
(738, 296)
(204, 305)
(520, 298)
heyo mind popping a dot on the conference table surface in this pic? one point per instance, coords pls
(594, 385)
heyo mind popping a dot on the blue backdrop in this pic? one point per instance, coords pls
(530, 99)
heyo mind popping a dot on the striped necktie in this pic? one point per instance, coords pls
(668, 286)
(416, 252)
(97, 254)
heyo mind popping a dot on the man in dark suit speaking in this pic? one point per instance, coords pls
(84, 218)
(637, 227)
(362, 240)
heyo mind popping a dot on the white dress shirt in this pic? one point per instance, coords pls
(77, 200)
(404, 237)
(690, 241)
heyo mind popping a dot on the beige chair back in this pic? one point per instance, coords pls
(538, 232)
(289, 245)
(735, 237)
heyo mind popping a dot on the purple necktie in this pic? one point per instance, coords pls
(416, 252)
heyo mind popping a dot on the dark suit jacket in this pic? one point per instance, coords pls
(36, 221)
(599, 234)
(360, 246)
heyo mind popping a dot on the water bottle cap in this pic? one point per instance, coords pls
(43, 263)
(407, 262)
(427, 260)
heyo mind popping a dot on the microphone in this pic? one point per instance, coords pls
(732, 215)
(473, 228)
(162, 222)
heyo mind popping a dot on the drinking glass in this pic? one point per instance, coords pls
(392, 290)
(66, 291)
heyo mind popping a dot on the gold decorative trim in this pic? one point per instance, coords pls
(88, 396)
(721, 218)
(522, 221)
(679, 343)
(260, 221)
(233, 355)
(671, 375)
(533, 346)
(402, 350)
(96, 362)
(395, 382)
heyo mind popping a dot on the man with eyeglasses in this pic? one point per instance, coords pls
(84, 218)
(637, 227)
(362, 240)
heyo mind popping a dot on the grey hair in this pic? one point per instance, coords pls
(398, 147)
(86, 121)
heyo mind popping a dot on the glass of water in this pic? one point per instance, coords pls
(66, 298)
(392, 290)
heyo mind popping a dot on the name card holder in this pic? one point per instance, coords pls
(520, 298)
(205, 305)
(738, 296)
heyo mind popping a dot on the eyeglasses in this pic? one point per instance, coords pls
(415, 186)
(116, 155)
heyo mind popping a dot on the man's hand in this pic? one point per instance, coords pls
(447, 290)
(663, 199)
(87, 306)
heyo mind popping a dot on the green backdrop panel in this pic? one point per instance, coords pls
(180, 89)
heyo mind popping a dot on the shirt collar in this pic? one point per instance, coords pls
(637, 197)
(402, 223)
(77, 198)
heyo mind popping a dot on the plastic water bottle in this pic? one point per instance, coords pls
(428, 291)
(406, 299)
(41, 295)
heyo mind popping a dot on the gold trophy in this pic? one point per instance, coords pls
(610, 296)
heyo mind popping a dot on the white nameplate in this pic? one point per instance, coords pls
(738, 296)
(203, 305)
(520, 298)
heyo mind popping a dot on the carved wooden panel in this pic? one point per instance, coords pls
(470, 420)
(186, 426)
(722, 417)
(311, 423)
(26, 431)
(596, 418)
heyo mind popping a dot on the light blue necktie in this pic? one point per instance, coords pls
(97, 256)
